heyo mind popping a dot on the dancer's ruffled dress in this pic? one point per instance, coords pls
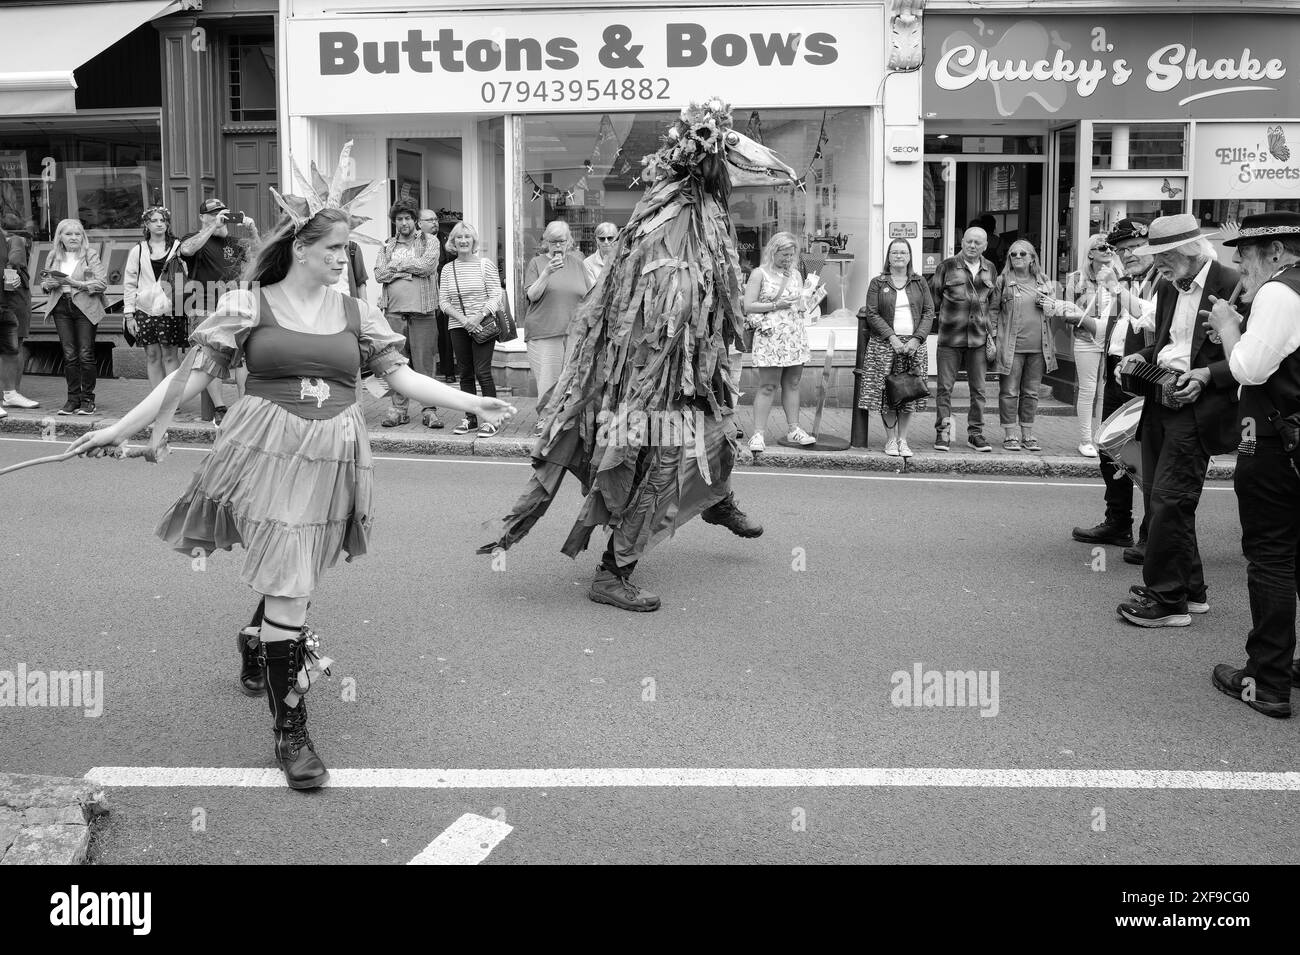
(649, 360)
(290, 474)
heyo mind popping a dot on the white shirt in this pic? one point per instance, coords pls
(904, 324)
(1178, 353)
(594, 265)
(1272, 333)
(1141, 315)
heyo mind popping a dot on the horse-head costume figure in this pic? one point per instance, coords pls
(642, 413)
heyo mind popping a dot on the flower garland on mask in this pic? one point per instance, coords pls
(700, 131)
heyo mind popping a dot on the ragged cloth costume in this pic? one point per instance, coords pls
(643, 412)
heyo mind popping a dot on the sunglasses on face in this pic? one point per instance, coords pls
(606, 238)
(1103, 249)
(1021, 255)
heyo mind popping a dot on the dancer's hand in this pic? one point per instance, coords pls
(99, 442)
(494, 410)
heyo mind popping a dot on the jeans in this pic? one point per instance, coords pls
(1119, 486)
(1018, 391)
(446, 357)
(1087, 369)
(77, 336)
(546, 360)
(1173, 469)
(421, 347)
(1268, 502)
(474, 363)
(950, 360)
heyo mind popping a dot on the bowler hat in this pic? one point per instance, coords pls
(1126, 229)
(1265, 227)
(1169, 232)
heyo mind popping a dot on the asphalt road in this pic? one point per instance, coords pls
(753, 662)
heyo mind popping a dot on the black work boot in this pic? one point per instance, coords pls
(1105, 533)
(728, 515)
(250, 681)
(281, 662)
(617, 590)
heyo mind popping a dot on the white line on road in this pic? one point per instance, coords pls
(467, 841)
(162, 776)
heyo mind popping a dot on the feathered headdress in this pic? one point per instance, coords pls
(337, 192)
(700, 131)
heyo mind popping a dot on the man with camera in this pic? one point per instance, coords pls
(214, 259)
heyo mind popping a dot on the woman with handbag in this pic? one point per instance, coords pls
(554, 283)
(774, 308)
(153, 269)
(1022, 298)
(75, 280)
(899, 314)
(469, 293)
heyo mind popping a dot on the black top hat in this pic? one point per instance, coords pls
(1265, 227)
(1127, 229)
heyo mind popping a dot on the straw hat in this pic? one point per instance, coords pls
(1169, 232)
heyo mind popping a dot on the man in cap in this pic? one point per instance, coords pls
(1265, 359)
(214, 259)
(1131, 328)
(1177, 442)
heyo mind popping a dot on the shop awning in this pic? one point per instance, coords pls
(45, 43)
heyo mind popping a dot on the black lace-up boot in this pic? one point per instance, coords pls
(282, 660)
(726, 514)
(251, 682)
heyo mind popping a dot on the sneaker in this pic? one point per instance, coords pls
(1230, 680)
(3, 413)
(430, 419)
(940, 442)
(487, 431)
(904, 450)
(1088, 450)
(977, 442)
(539, 430)
(69, 407)
(1193, 606)
(943, 437)
(756, 443)
(463, 428)
(392, 418)
(1011, 443)
(87, 408)
(13, 399)
(219, 415)
(609, 588)
(798, 435)
(1143, 610)
(1030, 443)
(891, 447)
(1104, 533)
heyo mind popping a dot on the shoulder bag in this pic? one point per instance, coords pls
(488, 328)
(505, 320)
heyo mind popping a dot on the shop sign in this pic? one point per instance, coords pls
(903, 144)
(1247, 160)
(902, 230)
(585, 60)
(1157, 66)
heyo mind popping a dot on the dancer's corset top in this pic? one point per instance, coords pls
(312, 376)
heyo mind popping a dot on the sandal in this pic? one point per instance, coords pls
(1010, 444)
(1031, 444)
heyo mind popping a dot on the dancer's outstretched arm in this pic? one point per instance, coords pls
(142, 414)
(431, 393)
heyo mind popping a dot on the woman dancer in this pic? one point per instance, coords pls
(289, 476)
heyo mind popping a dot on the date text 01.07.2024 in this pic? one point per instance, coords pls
(575, 91)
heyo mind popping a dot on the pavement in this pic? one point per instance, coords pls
(47, 820)
(1056, 429)
(757, 717)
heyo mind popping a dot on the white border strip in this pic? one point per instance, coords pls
(160, 776)
(467, 841)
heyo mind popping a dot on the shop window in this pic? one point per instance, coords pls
(251, 79)
(962, 144)
(585, 170)
(1136, 146)
(1244, 169)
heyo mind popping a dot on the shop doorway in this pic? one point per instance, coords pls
(995, 182)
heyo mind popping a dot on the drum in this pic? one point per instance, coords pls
(1117, 439)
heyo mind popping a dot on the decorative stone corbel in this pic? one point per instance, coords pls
(905, 35)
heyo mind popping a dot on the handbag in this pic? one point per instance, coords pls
(903, 386)
(504, 317)
(488, 328)
(749, 330)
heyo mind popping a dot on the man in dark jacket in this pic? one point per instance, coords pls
(1177, 441)
(15, 310)
(963, 287)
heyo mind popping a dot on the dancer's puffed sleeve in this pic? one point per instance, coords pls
(381, 347)
(221, 337)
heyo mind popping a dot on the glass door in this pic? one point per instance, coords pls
(406, 171)
(1064, 194)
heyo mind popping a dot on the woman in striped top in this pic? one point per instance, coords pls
(469, 289)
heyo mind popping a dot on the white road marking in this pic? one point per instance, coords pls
(162, 776)
(914, 478)
(467, 841)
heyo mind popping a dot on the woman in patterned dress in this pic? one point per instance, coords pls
(289, 477)
(899, 314)
(148, 301)
(774, 308)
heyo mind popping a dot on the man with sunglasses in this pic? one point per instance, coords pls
(1131, 327)
(606, 236)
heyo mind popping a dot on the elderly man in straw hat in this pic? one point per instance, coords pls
(1177, 442)
(1265, 359)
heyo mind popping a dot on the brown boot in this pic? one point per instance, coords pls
(610, 588)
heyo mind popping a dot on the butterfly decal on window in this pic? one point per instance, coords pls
(1097, 188)
(1277, 144)
(1173, 192)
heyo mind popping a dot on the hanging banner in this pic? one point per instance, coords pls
(1140, 66)
(585, 60)
(1247, 161)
